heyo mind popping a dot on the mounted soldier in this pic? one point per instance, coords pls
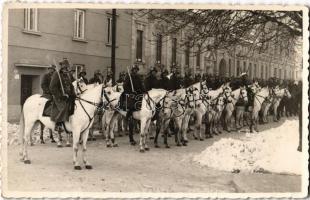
(175, 82)
(98, 78)
(62, 89)
(45, 85)
(82, 75)
(108, 80)
(46, 80)
(153, 81)
(133, 88)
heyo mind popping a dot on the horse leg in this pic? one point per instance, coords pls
(51, 136)
(184, 130)
(131, 127)
(85, 161)
(59, 142)
(41, 133)
(147, 132)
(198, 125)
(178, 124)
(142, 134)
(158, 127)
(75, 145)
(68, 140)
(26, 138)
(166, 125)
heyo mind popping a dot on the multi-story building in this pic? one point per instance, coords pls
(149, 48)
(40, 37)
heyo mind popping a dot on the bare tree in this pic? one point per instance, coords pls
(225, 29)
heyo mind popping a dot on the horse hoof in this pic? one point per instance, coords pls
(94, 139)
(147, 148)
(27, 162)
(196, 138)
(53, 141)
(201, 139)
(133, 143)
(152, 138)
(142, 151)
(115, 145)
(88, 167)
(109, 145)
(59, 145)
(31, 144)
(68, 145)
(157, 146)
(178, 144)
(42, 142)
(77, 167)
(184, 144)
(167, 147)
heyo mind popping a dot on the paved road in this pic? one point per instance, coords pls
(124, 169)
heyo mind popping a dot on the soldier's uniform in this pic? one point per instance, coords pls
(128, 93)
(46, 80)
(188, 80)
(63, 104)
(153, 82)
(82, 75)
(175, 82)
(97, 78)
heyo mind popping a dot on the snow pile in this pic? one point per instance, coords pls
(273, 150)
(14, 135)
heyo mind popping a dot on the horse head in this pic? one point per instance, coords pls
(243, 94)
(287, 93)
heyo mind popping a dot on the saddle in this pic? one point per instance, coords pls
(48, 107)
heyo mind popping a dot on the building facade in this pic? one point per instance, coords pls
(149, 48)
(40, 37)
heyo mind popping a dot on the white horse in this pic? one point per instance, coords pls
(177, 108)
(278, 96)
(232, 98)
(144, 115)
(203, 105)
(78, 124)
(212, 117)
(260, 95)
(267, 104)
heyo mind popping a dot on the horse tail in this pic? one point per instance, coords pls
(22, 127)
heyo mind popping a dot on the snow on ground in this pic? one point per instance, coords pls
(14, 138)
(272, 150)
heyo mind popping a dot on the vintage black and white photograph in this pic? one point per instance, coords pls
(161, 100)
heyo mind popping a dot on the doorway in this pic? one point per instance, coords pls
(26, 87)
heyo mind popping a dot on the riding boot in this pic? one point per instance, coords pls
(58, 127)
(130, 125)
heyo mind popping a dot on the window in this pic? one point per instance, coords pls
(275, 72)
(79, 24)
(244, 67)
(174, 52)
(285, 74)
(198, 57)
(109, 35)
(139, 45)
(262, 71)
(266, 72)
(187, 54)
(158, 48)
(31, 19)
(250, 70)
(255, 71)
(238, 68)
(280, 73)
(229, 68)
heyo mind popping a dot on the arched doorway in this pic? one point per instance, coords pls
(223, 68)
